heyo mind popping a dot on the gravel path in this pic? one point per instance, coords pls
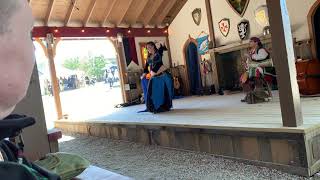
(151, 162)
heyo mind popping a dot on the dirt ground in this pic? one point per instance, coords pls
(152, 162)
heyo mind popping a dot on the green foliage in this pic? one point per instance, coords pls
(93, 66)
(72, 63)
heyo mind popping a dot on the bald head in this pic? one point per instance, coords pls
(16, 53)
(7, 10)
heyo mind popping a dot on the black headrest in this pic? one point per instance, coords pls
(12, 125)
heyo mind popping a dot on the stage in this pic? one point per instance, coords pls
(220, 125)
(222, 112)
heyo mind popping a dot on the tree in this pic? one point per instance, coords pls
(94, 66)
(72, 63)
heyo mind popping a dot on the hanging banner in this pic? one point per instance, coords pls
(130, 50)
(203, 44)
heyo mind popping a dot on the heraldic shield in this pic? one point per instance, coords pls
(196, 16)
(224, 26)
(239, 6)
(243, 29)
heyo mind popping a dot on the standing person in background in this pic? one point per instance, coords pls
(106, 76)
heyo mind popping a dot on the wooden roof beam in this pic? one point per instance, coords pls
(138, 6)
(49, 12)
(89, 12)
(164, 12)
(151, 11)
(71, 8)
(175, 10)
(108, 11)
(123, 11)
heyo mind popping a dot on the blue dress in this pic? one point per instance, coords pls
(158, 91)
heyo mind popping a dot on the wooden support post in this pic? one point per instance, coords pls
(283, 57)
(123, 71)
(210, 22)
(169, 51)
(212, 53)
(50, 52)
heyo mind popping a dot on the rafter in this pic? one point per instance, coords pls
(175, 10)
(89, 12)
(49, 12)
(71, 8)
(123, 11)
(135, 11)
(108, 11)
(158, 19)
(150, 11)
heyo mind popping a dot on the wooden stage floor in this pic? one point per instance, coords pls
(219, 125)
(217, 112)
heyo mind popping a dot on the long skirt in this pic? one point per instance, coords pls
(256, 88)
(159, 93)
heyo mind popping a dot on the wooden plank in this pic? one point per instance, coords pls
(97, 131)
(122, 71)
(239, 45)
(150, 11)
(187, 140)
(135, 11)
(297, 153)
(165, 138)
(222, 145)
(215, 73)
(265, 149)
(162, 12)
(89, 12)
(49, 12)
(169, 51)
(71, 8)
(174, 11)
(123, 133)
(205, 143)
(142, 136)
(115, 134)
(210, 22)
(51, 49)
(284, 60)
(108, 11)
(107, 132)
(132, 134)
(122, 12)
(279, 149)
(250, 148)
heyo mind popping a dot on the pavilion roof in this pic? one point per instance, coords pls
(105, 13)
